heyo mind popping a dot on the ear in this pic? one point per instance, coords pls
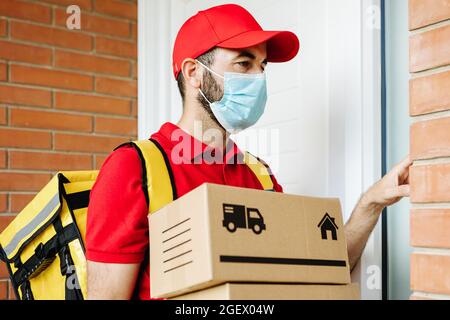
(191, 73)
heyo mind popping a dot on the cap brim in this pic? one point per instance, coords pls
(282, 46)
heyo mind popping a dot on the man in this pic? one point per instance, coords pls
(219, 59)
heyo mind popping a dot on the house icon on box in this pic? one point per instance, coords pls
(327, 224)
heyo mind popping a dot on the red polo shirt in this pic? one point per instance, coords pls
(117, 225)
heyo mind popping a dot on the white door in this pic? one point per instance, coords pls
(320, 133)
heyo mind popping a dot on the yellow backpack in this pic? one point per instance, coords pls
(43, 247)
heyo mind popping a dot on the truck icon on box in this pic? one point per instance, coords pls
(239, 217)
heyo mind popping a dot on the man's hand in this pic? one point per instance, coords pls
(389, 190)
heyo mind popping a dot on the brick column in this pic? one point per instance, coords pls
(430, 148)
(67, 97)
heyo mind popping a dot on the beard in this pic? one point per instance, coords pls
(213, 92)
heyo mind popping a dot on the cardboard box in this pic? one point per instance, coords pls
(217, 234)
(264, 291)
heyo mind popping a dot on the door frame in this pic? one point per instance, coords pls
(363, 114)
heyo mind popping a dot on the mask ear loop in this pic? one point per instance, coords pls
(201, 92)
(213, 72)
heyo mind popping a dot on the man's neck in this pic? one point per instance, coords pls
(200, 125)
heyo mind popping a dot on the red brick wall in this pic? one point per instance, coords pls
(430, 148)
(67, 97)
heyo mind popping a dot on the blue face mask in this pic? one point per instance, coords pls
(244, 100)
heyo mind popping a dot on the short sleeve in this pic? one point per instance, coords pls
(117, 225)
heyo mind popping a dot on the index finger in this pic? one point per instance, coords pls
(404, 165)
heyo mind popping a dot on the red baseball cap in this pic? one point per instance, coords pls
(233, 27)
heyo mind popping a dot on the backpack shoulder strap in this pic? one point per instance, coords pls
(158, 183)
(260, 169)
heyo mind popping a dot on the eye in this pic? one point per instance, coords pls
(244, 64)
